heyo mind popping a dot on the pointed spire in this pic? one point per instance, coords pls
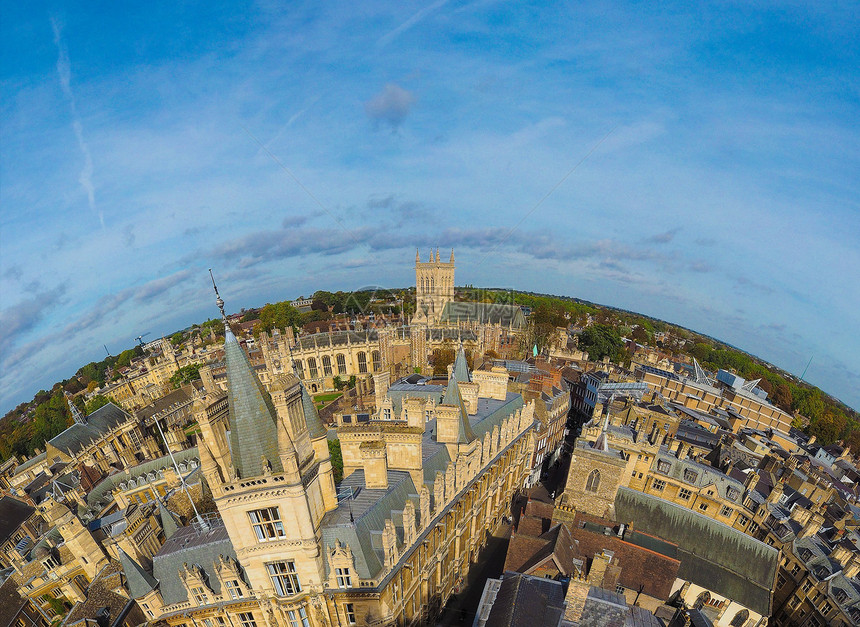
(218, 300)
(417, 256)
(140, 582)
(452, 256)
(76, 413)
(437, 254)
(168, 522)
(253, 426)
(453, 397)
(461, 367)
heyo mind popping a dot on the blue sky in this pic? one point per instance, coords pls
(315, 146)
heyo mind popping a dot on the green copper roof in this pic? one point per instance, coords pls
(453, 397)
(253, 427)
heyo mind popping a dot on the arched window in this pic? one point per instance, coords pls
(702, 599)
(593, 481)
(362, 362)
(312, 368)
(341, 364)
(326, 365)
(300, 370)
(740, 619)
(377, 363)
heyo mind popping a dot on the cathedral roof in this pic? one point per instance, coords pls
(484, 313)
(253, 426)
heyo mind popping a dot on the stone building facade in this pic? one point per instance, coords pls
(389, 546)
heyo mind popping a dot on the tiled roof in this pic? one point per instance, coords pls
(97, 425)
(13, 513)
(369, 509)
(190, 546)
(525, 600)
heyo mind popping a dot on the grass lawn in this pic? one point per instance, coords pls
(322, 400)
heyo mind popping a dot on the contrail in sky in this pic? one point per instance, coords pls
(64, 69)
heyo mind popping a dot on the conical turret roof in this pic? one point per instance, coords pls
(168, 522)
(461, 367)
(140, 582)
(453, 397)
(316, 429)
(253, 424)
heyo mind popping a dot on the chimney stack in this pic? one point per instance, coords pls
(373, 458)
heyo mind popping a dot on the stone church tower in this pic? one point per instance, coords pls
(434, 287)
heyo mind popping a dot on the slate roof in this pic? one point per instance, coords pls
(712, 554)
(188, 546)
(31, 462)
(460, 371)
(253, 427)
(11, 602)
(526, 601)
(705, 475)
(97, 425)
(140, 583)
(337, 338)
(369, 510)
(13, 513)
(103, 490)
(484, 313)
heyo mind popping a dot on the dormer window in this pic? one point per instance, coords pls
(233, 588)
(732, 493)
(690, 476)
(199, 595)
(663, 466)
(344, 580)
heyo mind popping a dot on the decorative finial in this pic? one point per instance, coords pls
(452, 256)
(218, 300)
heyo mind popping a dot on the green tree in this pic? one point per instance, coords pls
(442, 358)
(98, 401)
(176, 338)
(601, 341)
(336, 459)
(186, 374)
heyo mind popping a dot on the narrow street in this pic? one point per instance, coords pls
(461, 608)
